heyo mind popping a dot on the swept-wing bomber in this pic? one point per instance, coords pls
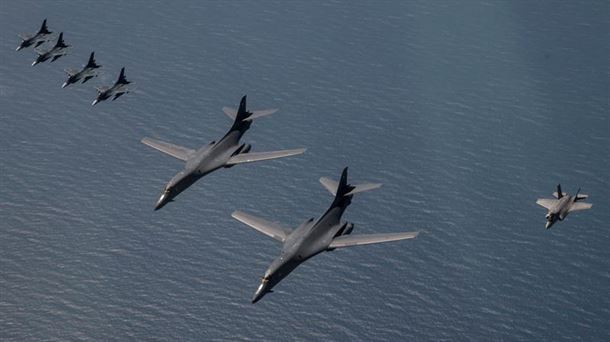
(227, 152)
(312, 237)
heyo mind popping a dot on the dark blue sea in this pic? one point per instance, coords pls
(466, 111)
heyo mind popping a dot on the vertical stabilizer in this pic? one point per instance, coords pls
(122, 79)
(60, 41)
(44, 29)
(559, 193)
(91, 63)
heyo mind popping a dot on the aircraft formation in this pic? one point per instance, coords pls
(60, 49)
(314, 236)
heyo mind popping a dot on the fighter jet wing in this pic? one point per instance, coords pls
(271, 229)
(365, 239)
(580, 206)
(547, 202)
(257, 156)
(231, 112)
(175, 151)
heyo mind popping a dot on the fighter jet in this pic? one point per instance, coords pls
(88, 72)
(60, 49)
(314, 236)
(563, 204)
(119, 88)
(36, 39)
(227, 152)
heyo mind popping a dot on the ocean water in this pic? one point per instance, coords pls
(467, 111)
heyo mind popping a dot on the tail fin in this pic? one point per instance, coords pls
(342, 188)
(91, 63)
(579, 196)
(122, 79)
(242, 113)
(44, 29)
(60, 41)
(559, 193)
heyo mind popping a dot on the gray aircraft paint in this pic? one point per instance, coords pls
(37, 39)
(58, 50)
(225, 153)
(563, 204)
(86, 73)
(315, 236)
(118, 89)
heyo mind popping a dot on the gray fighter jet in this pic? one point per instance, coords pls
(227, 152)
(88, 72)
(60, 49)
(118, 88)
(36, 39)
(315, 236)
(563, 204)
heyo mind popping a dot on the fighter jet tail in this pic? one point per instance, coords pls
(579, 196)
(91, 63)
(122, 79)
(44, 29)
(60, 41)
(342, 188)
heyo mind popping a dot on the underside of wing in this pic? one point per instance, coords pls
(365, 239)
(580, 206)
(270, 229)
(258, 156)
(175, 151)
(548, 203)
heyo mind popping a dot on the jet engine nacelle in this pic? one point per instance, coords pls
(348, 229)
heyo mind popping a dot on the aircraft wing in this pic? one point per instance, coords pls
(580, 206)
(175, 151)
(257, 156)
(271, 229)
(548, 203)
(365, 239)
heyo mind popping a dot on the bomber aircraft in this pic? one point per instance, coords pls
(227, 152)
(315, 236)
(563, 204)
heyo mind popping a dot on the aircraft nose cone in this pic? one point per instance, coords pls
(64, 85)
(260, 291)
(18, 48)
(162, 201)
(94, 102)
(34, 63)
(548, 224)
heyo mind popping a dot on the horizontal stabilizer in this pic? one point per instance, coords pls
(363, 187)
(175, 151)
(580, 206)
(232, 113)
(365, 239)
(332, 186)
(556, 194)
(270, 229)
(548, 203)
(258, 156)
